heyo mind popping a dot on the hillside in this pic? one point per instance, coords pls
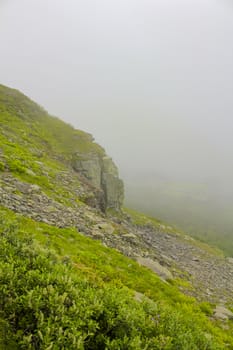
(80, 272)
(202, 209)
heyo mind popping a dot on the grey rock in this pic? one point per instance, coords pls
(89, 167)
(35, 188)
(104, 227)
(222, 313)
(30, 172)
(102, 174)
(114, 191)
(155, 266)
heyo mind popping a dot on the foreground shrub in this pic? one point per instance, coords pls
(45, 305)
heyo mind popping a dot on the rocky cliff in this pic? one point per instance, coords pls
(41, 135)
(102, 174)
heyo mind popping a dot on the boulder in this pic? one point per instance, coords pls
(222, 313)
(155, 266)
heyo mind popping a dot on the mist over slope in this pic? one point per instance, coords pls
(201, 208)
(79, 272)
(153, 87)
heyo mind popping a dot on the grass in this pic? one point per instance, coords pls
(103, 267)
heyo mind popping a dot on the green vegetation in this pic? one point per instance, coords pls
(85, 299)
(2, 166)
(141, 219)
(34, 145)
(49, 135)
(62, 290)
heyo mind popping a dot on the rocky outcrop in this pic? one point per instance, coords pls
(102, 174)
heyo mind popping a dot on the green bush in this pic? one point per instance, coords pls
(207, 308)
(45, 304)
(2, 166)
(16, 166)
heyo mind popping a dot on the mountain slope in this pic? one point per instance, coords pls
(203, 209)
(60, 288)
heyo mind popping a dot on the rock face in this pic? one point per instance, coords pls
(90, 167)
(102, 174)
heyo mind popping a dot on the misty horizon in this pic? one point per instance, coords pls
(151, 81)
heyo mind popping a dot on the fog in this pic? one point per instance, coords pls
(151, 80)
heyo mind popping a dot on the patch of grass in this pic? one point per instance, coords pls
(140, 219)
(24, 121)
(107, 269)
(2, 166)
(35, 146)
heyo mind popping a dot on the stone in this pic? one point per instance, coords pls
(139, 296)
(30, 172)
(129, 235)
(97, 233)
(222, 313)
(105, 228)
(230, 260)
(35, 188)
(155, 266)
(195, 259)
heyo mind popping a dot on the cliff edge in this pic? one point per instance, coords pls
(38, 136)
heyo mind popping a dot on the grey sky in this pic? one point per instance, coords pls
(152, 80)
